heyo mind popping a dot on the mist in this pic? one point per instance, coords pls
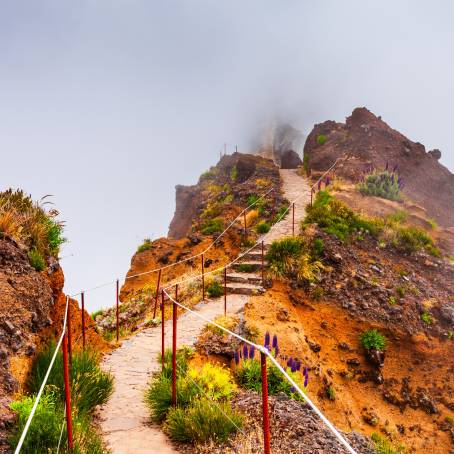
(108, 105)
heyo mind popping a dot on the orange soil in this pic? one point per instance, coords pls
(351, 396)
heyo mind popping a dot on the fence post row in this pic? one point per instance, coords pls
(174, 348)
(69, 424)
(117, 311)
(266, 417)
(162, 329)
(82, 300)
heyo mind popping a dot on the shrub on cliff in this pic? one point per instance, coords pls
(28, 222)
(373, 340)
(384, 184)
(146, 245)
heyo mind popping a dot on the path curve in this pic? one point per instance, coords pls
(125, 420)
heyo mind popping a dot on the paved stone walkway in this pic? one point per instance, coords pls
(125, 419)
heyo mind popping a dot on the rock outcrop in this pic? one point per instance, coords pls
(371, 143)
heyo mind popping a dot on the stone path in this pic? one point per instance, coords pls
(125, 419)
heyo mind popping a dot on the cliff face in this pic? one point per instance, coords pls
(370, 142)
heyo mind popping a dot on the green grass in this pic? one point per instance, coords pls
(427, 318)
(215, 289)
(382, 184)
(373, 340)
(245, 268)
(212, 226)
(262, 227)
(146, 245)
(36, 260)
(234, 173)
(321, 139)
(331, 393)
(204, 420)
(383, 446)
(94, 314)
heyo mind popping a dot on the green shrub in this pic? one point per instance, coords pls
(318, 246)
(373, 340)
(413, 239)
(248, 375)
(203, 420)
(245, 268)
(226, 321)
(427, 318)
(215, 381)
(90, 386)
(44, 430)
(321, 139)
(54, 235)
(399, 216)
(331, 393)
(290, 257)
(146, 245)
(449, 420)
(401, 291)
(215, 289)
(281, 214)
(184, 354)
(382, 184)
(262, 227)
(234, 173)
(36, 260)
(383, 446)
(212, 226)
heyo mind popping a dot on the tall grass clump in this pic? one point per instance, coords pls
(203, 410)
(146, 245)
(215, 289)
(384, 184)
(29, 223)
(291, 257)
(36, 259)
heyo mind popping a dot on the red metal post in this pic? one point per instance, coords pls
(69, 422)
(118, 310)
(157, 294)
(293, 219)
(162, 330)
(174, 349)
(245, 226)
(203, 278)
(225, 291)
(70, 340)
(82, 298)
(263, 272)
(266, 416)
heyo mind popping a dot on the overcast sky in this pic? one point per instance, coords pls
(109, 104)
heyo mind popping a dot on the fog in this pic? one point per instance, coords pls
(108, 105)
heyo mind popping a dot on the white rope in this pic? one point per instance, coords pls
(38, 396)
(61, 431)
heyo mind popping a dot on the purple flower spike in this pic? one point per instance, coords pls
(293, 390)
(290, 362)
(245, 351)
(298, 365)
(305, 371)
(319, 186)
(327, 181)
(306, 380)
(237, 358)
(252, 352)
(274, 343)
(293, 366)
(267, 340)
(276, 351)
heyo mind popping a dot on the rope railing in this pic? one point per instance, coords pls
(62, 342)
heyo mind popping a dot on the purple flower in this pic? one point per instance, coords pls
(276, 351)
(237, 358)
(298, 365)
(319, 186)
(290, 362)
(293, 389)
(395, 168)
(267, 340)
(245, 351)
(293, 366)
(252, 352)
(306, 380)
(327, 181)
(305, 371)
(274, 343)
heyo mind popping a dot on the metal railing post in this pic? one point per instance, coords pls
(266, 416)
(203, 278)
(157, 294)
(174, 348)
(118, 309)
(263, 270)
(225, 291)
(82, 300)
(69, 423)
(293, 219)
(245, 226)
(162, 330)
(69, 339)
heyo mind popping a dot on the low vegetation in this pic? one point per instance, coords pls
(383, 446)
(215, 289)
(212, 226)
(203, 410)
(321, 139)
(90, 386)
(29, 223)
(336, 218)
(384, 184)
(146, 245)
(373, 340)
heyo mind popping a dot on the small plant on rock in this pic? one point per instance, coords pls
(373, 340)
(384, 184)
(427, 318)
(321, 139)
(36, 260)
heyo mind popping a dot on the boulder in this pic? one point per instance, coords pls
(290, 160)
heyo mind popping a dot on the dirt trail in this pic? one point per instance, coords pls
(125, 419)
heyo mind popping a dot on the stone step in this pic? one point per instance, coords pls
(245, 278)
(239, 288)
(254, 256)
(252, 266)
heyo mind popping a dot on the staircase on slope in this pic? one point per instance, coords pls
(245, 276)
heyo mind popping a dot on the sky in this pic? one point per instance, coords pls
(108, 104)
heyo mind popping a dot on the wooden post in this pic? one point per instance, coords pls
(69, 339)
(293, 219)
(82, 298)
(157, 293)
(263, 271)
(162, 330)
(245, 226)
(225, 291)
(203, 278)
(118, 309)
(69, 422)
(266, 417)
(174, 348)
